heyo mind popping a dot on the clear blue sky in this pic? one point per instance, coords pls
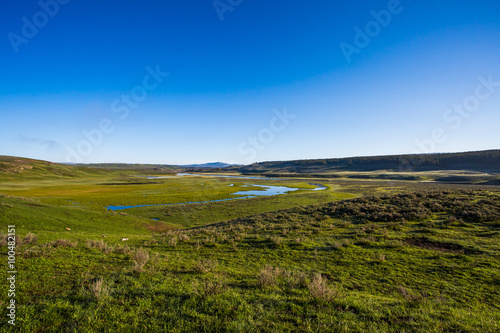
(69, 69)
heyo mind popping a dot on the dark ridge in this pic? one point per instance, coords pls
(480, 161)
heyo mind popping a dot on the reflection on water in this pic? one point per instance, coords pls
(267, 190)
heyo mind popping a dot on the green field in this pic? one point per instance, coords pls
(364, 255)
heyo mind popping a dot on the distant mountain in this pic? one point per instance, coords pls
(485, 161)
(213, 165)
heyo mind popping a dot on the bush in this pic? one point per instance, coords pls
(172, 241)
(268, 276)
(209, 287)
(205, 266)
(276, 241)
(294, 279)
(64, 243)
(30, 238)
(100, 245)
(4, 239)
(320, 291)
(125, 249)
(141, 257)
(99, 289)
(183, 237)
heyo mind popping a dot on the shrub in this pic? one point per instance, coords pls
(268, 276)
(294, 279)
(209, 287)
(100, 245)
(150, 242)
(125, 249)
(183, 237)
(336, 245)
(99, 289)
(320, 291)
(141, 258)
(31, 252)
(205, 266)
(4, 239)
(30, 238)
(276, 241)
(172, 241)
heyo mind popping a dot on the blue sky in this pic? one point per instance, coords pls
(87, 80)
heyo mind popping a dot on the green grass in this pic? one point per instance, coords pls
(202, 214)
(49, 222)
(289, 263)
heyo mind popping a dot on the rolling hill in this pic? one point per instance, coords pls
(481, 161)
(26, 167)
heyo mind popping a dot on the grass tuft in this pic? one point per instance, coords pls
(267, 276)
(99, 289)
(30, 238)
(141, 258)
(209, 287)
(320, 291)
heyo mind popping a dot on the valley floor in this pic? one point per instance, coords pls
(361, 256)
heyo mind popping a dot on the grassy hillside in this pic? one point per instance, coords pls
(143, 168)
(51, 221)
(418, 262)
(400, 255)
(19, 167)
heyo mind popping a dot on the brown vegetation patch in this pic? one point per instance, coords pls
(33, 204)
(131, 183)
(159, 227)
(439, 246)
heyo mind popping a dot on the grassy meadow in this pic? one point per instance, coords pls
(364, 255)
